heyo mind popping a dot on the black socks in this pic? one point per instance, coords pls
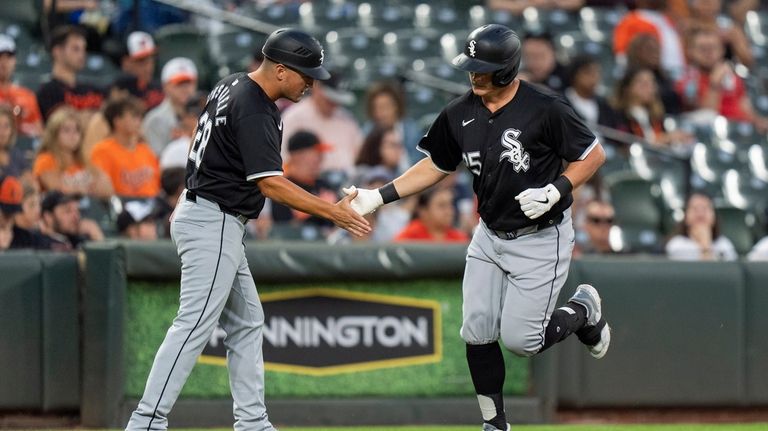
(486, 366)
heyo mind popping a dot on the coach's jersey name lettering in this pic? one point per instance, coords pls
(221, 93)
(349, 331)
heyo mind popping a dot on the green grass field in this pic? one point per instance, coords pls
(590, 427)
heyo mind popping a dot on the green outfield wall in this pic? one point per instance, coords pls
(352, 329)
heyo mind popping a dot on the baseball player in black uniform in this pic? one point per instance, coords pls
(234, 163)
(514, 138)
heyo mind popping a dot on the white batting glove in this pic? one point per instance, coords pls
(536, 202)
(366, 202)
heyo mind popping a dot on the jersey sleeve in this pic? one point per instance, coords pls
(440, 145)
(44, 162)
(259, 141)
(566, 132)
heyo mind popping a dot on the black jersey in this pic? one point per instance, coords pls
(520, 146)
(237, 141)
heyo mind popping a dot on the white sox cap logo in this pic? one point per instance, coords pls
(519, 158)
(472, 51)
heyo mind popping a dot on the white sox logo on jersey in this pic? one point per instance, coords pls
(472, 48)
(519, 158)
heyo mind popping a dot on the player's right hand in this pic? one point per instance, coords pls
(348, 218)
(366, 202)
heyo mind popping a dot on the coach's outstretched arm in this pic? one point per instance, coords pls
(282, 190)
(419, 177)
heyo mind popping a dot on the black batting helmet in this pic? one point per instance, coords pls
(297, 50)
(491, 48)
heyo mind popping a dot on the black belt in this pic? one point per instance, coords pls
(192, 197)
(527, 230)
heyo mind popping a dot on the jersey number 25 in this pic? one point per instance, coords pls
(201, 139)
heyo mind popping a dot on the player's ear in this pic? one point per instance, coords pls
(280, 72)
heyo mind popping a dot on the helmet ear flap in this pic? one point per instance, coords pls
(503, 77)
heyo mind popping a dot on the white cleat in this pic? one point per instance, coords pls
(587, 296)
(601, 348)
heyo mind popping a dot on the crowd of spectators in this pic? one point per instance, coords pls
(123, 149)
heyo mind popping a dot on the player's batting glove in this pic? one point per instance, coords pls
(366, 202)
(536, 202)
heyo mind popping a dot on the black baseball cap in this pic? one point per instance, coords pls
(302, 140)
(55, 198)
(136, 211)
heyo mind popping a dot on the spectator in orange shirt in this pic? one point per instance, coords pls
(60, 164)
(130, 163)
(20, 99)
(433, 219)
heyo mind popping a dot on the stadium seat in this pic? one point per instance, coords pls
(597, 24)
(280, 14)
(291, 232)
(635, 200)
(382, 17)
(318, 19)
(740, 189)
(364, 71)
(439, 17)
(182, 40)
(737, 225)
(439, 68)
(234, 45)
(634, 239)
(20, 34)
(756, 27)
(99, 71)
(422, 100)
(408, 45)
(102, 212)
(22, 12)
(480, 15)
(346, 45)
(452, 44)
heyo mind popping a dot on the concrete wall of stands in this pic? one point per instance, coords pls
(685, 334)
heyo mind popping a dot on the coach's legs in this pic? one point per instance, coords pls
(211, 252)
(483, 291)
(538, 265)
(243, 320)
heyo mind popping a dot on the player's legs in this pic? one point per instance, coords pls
(243, 320)
(537, 268)
(483, 291)
(210, 247)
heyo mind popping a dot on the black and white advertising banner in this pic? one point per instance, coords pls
(329, 331)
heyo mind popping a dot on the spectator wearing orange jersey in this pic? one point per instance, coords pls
(433, 219)
(21, 100)
(60, 164)
(130, 163)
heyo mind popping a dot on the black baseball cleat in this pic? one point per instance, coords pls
(596, 334)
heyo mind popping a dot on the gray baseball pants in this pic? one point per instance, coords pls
(511, 285)
(216, 286)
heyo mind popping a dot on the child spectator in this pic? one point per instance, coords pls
(130, 163)
(60, 164)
